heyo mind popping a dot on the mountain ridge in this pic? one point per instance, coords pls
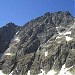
(7, 33)
(43, 46)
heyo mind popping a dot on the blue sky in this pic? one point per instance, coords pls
(22, 11)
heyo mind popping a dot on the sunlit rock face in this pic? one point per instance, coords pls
(43, 46)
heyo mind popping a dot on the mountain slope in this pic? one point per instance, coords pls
(43, 46)
(6, 34)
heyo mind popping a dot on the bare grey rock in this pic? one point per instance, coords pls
(42, 44)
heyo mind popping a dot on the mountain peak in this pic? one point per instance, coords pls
(7, 33)
(10, 24)
(59, 12)
(43, 46)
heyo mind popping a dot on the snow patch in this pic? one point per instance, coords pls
(9, 54)
(1, 73)
(60, 33)
(69, 32)
(46, 53)
(16, 70)
(28, 72)
(17, 39)
(58, 37)
(17, 32)
(51, 72)
(65, 71)
(68, 38)
(57, 27)
(42, 72)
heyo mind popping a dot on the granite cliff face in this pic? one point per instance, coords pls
(43, 46)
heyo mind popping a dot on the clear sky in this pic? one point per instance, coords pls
(22, 11)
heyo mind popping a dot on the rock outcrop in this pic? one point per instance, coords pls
(7, 33)
(43, 46)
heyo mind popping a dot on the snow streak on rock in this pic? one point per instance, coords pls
(1, 73)
(46, 53)
(28, 72)
(69, 32)
(58, 37)
(9, 54)
(68, 38)
(51, 72)
(65, 71)
(17, 32)
(42, 72)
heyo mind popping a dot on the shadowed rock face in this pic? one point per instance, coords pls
(6, 34)
(45, 43)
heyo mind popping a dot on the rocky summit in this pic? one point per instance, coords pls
(7, 33)
(43, 46)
